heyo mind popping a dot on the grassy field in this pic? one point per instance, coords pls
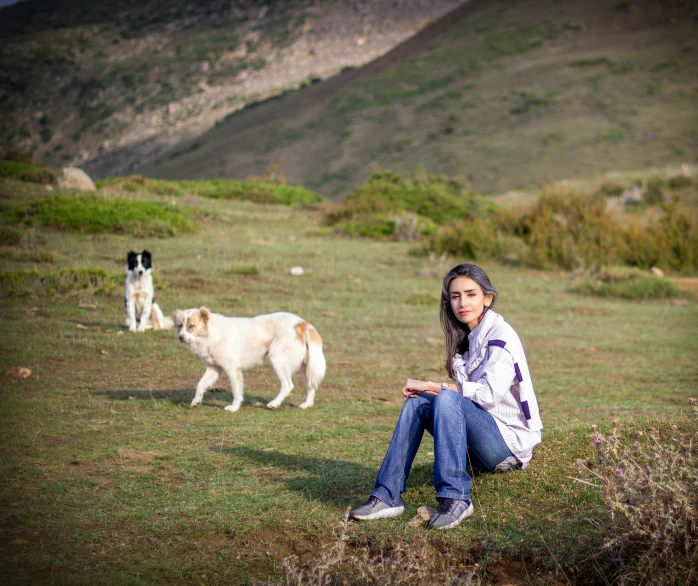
(109, 477)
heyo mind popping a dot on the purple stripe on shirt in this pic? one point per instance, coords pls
(518, 372)
(526, 410)
(500, 343)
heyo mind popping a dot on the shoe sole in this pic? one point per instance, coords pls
(384, 514)
(465, 515)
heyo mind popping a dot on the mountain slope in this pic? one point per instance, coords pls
(79, 79)
(506, 93)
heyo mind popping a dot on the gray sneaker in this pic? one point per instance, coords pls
(374, 508)
(450, 513)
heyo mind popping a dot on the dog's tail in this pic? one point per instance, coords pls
(160, 322)
(167, 323)
(315, 359)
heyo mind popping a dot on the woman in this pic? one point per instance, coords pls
(489, 418)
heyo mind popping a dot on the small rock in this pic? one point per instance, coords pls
(657, 272)
(424, 513)
(434, 341)
(296, 271)
(19, 372)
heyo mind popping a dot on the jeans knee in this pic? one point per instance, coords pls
(413, 406)
(448, 399)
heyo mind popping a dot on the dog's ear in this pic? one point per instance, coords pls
(131, 255)
(146, 259)
(178, 317)
(205, 314)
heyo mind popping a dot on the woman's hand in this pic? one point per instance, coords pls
(413, 388)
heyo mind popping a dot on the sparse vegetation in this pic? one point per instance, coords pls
(649, 481)
(34, 283)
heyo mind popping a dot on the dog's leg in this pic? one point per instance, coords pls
(237, 385)
(207, 381)
(285, 376)
(130, 312)
(144, 323)
(310, 396)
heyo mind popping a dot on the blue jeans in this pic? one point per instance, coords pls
(461, 429)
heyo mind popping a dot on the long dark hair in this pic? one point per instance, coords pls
(456, 332)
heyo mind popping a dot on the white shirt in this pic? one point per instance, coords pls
(495, 387)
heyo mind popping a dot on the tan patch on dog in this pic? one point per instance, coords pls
(315, 337)
(302, 331)
(197, 322)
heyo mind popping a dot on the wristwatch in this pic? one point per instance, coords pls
(444, 386)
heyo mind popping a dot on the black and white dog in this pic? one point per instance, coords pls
(142, 313)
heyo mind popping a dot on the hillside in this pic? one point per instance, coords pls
(507, 93)
(78, 80)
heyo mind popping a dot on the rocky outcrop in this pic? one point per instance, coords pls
(74, 178)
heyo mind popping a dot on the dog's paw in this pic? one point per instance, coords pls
(305, 405)
(273, 405)
(232, 408)
(195, 404)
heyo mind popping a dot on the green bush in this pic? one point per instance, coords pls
(22, 171)
(94, 215)
(569, 231)
(31, 282)
(654, 192)
(680, 181)
(626, 283)
(383, 204)
(649, 483)
(612, 188)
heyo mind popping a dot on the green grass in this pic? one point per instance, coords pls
(109, 477)
(26, 172)
(93, 214)
(256, 191)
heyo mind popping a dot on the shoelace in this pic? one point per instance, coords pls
(373, 501)
(445, 505)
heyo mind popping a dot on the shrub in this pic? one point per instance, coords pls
(22, 171)
(680, 181)
(569, 231)
(654, 192)
(649, 484)
(612, 188)
(93, 215)
(389, 204)
(626, 283)
(31, 282)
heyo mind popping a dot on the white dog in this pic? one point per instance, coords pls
(141, 311)
(234, 344)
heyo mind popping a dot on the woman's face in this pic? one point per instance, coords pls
(468, 301)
